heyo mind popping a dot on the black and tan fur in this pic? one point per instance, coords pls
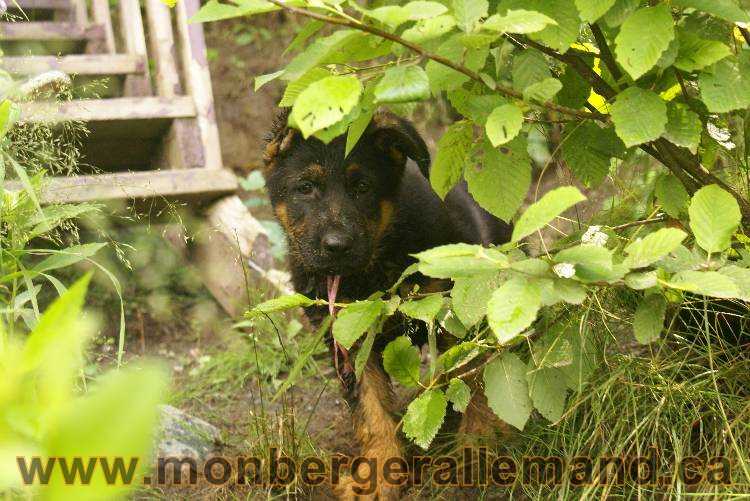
(361, 217)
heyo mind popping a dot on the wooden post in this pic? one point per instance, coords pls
(198, 80)
(103, 15)
(134, 39)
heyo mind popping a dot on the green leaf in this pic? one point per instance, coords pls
(683, 127)
(355, 320)
(592, 263)
(262, 80)
(706, 283)
(67, 257)
(401, 361)
(529, 67)
(639, 115)
(359, 125)
(542, 92)
(458, 356)
(588, 150)
(468, 12)
(724, 9)
(592, 10)
(423, 309)
(215, 11)
(280, 304)
(714, 218)
(576, 90)
(459, 394)
(470, 296)
(561, 35)
(502, 181)
(641, 280)
(429, 29)
(391, 15)
(424, 416)
(403, 84)
(325, 102)
(477, 108)
(424, 10)
(671, 195)
(452, 150)
(548, 391)
(504, 124)
(319, 52)
(518, 21)
(653, 247)
(443, 78)
(507, 390)
(9, 113)
(649, 318)
(725, 86)
(741, 278)
(460, 260)
(513, 308)
(547, 208)
(643, 37)
(696, 53)
(294, 88)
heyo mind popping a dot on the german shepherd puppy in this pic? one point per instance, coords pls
(352, 223)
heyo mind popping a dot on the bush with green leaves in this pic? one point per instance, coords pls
(614, 83)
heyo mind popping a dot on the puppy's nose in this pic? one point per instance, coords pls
(337, 243)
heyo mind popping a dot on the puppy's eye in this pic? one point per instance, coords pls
(362, 187)
(305, 188)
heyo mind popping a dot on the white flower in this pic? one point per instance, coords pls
(594, 236)
(564, 270)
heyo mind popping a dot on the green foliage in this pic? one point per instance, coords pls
(424, 416)
(401, 361)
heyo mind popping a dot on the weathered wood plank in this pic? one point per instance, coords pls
(171, 184)
(103, 15)
(198, 79)
(41, 4)
(49, 30)
(124, 108)
(75, 64)
(134, 39)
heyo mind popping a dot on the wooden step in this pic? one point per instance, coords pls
(187, 184)
(77, 64)
(40, 4)
(109, 110)
(49, 31)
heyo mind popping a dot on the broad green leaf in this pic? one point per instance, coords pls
(507, 390)
(355, 320)
(592, 263)
(470, 296)
(477, 108)
(741, 277)
(501, 182)
(360, 124)
(562, 290)
(725, 86)
(67, 257)
(653, 247)
(714, 218)
(459, 394)
(529, 67)
(215, 11)
(513, 308)
(391, 15)
(724, 9)
(424, 9)
(564, 12)
(588, 150)
(504, 124)
(443, 78)
(592, 10)
(324, 102)
(643, 37)
(641, 280)
(649, 318)
(262, 80)
(310, 29)
(452, 150)
(671, 195)
(547, 208)
(280, 304)
(318, 52)
(683, 127)
(542, 92)
(422, 309)
(639, 115)
(294, 88)
(458, 356)
(518, 21)
(429, 29)
(424, 416)
(460, 260)
(403, 84)
(696, 53)
(706, 283)
(9, 113)
(621, 10)
(401, 361)
(307, 352)
(576, 90)
(468, 12)
(548, 391)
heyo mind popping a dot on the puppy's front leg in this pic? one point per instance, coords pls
(376, 431)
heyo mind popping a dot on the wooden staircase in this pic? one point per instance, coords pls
(154, 135)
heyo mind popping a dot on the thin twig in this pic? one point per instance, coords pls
(429, 55)
(745, 34)
(642, 222)
(605, 52)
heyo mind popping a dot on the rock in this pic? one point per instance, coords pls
(184, 435)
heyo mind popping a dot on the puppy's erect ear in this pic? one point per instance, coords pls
(279, 140)
(399, 139)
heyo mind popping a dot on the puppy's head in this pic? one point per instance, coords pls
(336, 210)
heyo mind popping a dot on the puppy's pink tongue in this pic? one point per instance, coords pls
(333, 289)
